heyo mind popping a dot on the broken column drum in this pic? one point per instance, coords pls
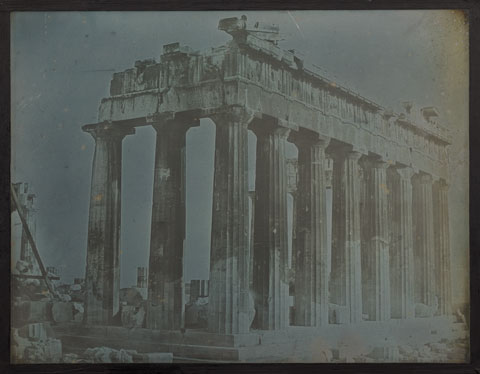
(252, 83)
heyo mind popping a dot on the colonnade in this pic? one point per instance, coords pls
(390, 231)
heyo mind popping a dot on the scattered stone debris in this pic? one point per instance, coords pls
(72, 292)
(196, 313)
(62, 311)
(78, 311)
(131, 296)
(132, 307)
(72, 358)
(151, 358)
(34, 310)
(426, 311)
(35, 313)
(387, 353)
(107, 355)
(445, 351)
(35, 343)
(133, 316)
(337, 314)
(23, 266)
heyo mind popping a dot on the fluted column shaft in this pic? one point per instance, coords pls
(423, 240)
(375, 243)
(165, 307)
(102, 277)
(229, 307)
(401, 242)
(442, 247)
(311, 276)
(251, 239)
(346, 276)
(270, 252)
(294, 230)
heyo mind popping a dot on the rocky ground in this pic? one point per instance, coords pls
(36, 343)
(451, 351)
(34, 312)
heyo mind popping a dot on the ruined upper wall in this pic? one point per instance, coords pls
(253, 72)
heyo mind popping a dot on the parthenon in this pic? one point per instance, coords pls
(389, 256)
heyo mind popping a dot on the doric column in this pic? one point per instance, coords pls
(375, 243)
(294, 230)
(270, 253)
(251, 194)
(229, 307)
(346, 277)
(401, 242)
(423, 241)
(165, 307)
(311, 276)
(291, 267)
(442, 247)
(102, 278)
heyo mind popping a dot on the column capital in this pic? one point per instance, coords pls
(424, 178)
(305, 137)
(179, 125)
(282, 132)
(266, 125)
(108, 129)
(406, 173)
(443, 183)
(353, 155)
(235, 114)
(187, 119)
(343, 151)
(374, 163)
(439, 180)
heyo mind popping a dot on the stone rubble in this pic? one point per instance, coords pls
(448, 351)
(132, 316)
(78, 311)
(196, 313)
(107, 355)
(34, 343)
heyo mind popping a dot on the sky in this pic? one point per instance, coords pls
(62, 64)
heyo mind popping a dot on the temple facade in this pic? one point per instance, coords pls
(388, 254)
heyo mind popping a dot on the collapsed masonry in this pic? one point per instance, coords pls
(38, 319)
(40, 305)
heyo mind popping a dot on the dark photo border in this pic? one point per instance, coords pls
(472, 9)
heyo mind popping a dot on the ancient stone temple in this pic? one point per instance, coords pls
(389, 253)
